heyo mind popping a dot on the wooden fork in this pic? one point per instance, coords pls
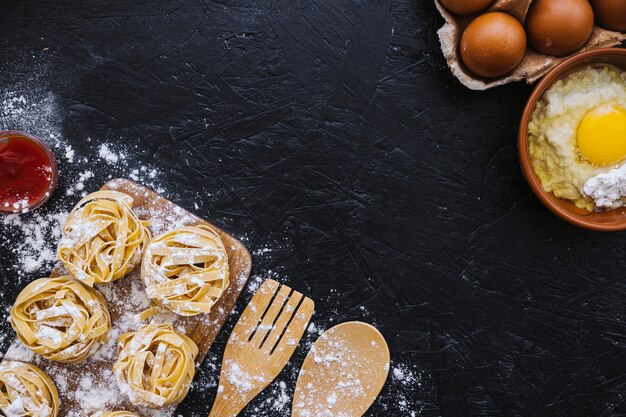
(260, 345)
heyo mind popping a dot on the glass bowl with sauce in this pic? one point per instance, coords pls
(28, 172)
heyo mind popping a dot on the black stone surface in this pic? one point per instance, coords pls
(332, 132)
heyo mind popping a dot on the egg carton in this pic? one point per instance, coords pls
(533, 66)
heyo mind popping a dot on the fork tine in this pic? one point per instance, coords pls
(295, 329)
(254, 311)
(250, 352)
(269, 317)
(281, 323)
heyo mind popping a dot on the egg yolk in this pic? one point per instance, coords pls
(602, 135)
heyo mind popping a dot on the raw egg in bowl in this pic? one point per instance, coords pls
(601, 135)
(572, 140)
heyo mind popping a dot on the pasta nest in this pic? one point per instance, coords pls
(103, 238)
(186, 269)
(155, 365)
(114, 414)
(61, 319)
(27, 391)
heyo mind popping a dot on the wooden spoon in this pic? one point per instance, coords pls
(343, 372)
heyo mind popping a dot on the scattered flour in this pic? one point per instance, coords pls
(405, 381)
(79, 186)
(69, 154)
(33, 110)
(34, 238)
(110, 156)
(262, 251)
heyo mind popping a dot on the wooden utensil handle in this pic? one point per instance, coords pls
(220, 410)
(223, 407)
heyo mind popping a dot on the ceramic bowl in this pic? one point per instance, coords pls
(610, 220)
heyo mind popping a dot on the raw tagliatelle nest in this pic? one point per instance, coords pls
(103, 239)
(61, 319)
(155, 365)
(26, 390)
(114, 414)
(186, 269)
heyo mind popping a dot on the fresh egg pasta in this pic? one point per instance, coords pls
(155, 365)
(103, 239)
(61, 319)
(25, 390)
(186, 269)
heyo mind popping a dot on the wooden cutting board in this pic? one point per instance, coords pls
(91, 385)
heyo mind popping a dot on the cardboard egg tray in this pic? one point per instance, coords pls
(533, 66)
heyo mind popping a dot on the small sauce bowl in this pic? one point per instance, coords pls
(609, 220)
(42, 186)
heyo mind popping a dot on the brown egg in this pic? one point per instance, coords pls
(559, 27)
(610, 14)
(493, 44)
(466, 7)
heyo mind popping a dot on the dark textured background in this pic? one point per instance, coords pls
(332, 132)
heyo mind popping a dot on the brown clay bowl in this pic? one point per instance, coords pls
(610, 220)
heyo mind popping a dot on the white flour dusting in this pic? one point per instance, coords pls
(78, 187)
(32, 110)
(69, 154)
(110, 156)
(34, 238)
(404, 383)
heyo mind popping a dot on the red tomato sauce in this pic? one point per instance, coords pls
(27, 173)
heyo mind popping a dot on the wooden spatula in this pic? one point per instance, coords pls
(260, 345)
(343, 372)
